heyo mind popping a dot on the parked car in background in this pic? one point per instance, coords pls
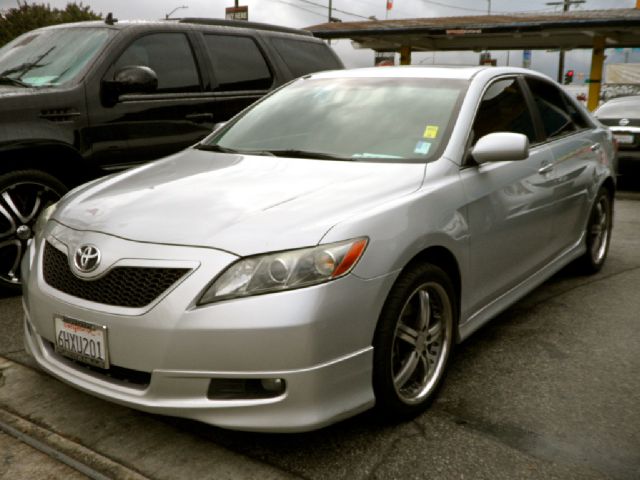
(83, 99)
(622, 115)
(324, 250)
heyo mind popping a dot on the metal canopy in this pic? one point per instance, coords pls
(577, 29)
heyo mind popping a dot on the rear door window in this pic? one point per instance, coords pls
(238, 63)
(305, 57)
(504, 109)
(559, 116)
(167, 54)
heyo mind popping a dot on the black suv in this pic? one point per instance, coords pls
(80, 100)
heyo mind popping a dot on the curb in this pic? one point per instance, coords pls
(74, 455)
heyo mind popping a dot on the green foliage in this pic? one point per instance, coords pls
(26, 17)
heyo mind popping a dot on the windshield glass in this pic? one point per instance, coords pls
(393, 119)
(51, 57)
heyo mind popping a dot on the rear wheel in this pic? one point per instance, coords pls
(598, 234)
(23, 195)
(413, 341)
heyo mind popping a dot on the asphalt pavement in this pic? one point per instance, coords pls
(548, 390)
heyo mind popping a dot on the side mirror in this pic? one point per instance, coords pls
(132, 79)
(501, 146)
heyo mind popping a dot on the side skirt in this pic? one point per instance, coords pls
(486, 313)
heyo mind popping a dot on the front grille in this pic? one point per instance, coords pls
(615, 122)
(132, 287)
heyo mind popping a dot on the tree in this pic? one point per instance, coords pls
(26, 17)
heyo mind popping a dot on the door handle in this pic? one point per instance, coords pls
(546, 168)
(595, 147)
(200, 117)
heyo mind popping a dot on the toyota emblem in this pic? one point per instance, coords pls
(623, 122)
(87, 258)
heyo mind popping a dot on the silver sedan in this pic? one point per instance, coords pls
(323, 252)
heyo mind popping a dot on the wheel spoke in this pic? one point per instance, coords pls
(435, 333)
(406, 333)
(424, 361)
(25, 217)
(13, 208)
(407, 370)
(432, 357)
(10, 220)
(11, 275)
(425, 310)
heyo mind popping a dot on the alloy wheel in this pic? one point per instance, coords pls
(599, 231)
(20, 205)
(421, 343)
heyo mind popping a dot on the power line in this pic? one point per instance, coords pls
(440, 4)
(334, 9)
(300, 8)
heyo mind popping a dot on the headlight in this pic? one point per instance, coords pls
(285, 270)
(43, 218)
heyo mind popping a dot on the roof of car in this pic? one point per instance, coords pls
(212, 22)
(620, 106)
(414, 71)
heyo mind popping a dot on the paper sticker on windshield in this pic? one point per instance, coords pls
(422, 147)
(431, 131)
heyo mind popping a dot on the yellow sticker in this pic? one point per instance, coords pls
(431, 131)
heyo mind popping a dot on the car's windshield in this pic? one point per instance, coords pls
(391, 119)
(52, 56)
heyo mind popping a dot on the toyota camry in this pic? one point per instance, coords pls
(324, 251)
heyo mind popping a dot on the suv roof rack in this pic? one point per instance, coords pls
(245, 24)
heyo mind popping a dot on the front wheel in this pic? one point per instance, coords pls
(23, 195)
(598, 234)
(413, 341)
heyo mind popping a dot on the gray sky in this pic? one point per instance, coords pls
(302, 13)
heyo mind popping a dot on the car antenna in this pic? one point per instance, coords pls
(110, 20)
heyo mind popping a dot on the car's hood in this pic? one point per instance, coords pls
(241, 204)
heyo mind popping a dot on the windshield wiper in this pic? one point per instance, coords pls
(13, 81)
(306, 154)
(214, 148)
(219, 148)
(273, 153)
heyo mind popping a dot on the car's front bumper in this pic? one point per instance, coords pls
(317, 339)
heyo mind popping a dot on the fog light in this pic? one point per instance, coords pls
(274, 385)
(245, 388)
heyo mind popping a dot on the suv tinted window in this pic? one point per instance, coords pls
(504, 109)
(238, 63)
(304, 57)
(167, 54)
(558, 115)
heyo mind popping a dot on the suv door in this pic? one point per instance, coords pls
(241, 73)
(509, 201)
(142, 127)
(569, 135)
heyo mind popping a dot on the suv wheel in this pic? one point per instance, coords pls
(23, 195)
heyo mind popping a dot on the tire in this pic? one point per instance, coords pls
(413, 342)
(597, 234)
(23, 195)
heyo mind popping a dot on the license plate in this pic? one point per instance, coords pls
(624, 139)
(82, 341)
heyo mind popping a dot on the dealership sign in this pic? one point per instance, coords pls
(237, 13)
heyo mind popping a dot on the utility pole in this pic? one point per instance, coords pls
(565, 8)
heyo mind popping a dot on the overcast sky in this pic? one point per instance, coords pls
(303, 13)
